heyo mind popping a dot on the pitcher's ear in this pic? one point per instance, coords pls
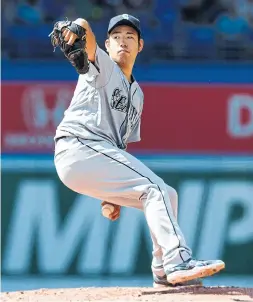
(107, 44)
(141, 45)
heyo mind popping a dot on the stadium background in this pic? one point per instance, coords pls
(197, 133)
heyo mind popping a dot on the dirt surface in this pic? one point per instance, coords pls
(189, 294)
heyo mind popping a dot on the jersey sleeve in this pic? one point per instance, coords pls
(135, 136)
(102, 67)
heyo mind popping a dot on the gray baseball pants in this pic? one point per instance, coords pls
(100, 170)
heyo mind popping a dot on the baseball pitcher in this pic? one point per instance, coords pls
(103, 117)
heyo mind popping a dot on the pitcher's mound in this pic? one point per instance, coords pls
(189, 294)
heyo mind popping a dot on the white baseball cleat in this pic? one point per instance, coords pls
(193, 269)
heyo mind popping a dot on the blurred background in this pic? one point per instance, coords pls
(196, 72)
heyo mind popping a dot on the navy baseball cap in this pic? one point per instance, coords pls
(125, 19)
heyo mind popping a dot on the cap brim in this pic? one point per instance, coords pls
(125, 22)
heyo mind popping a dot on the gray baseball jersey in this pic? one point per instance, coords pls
(104, 105)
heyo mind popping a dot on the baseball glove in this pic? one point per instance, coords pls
(75, 53)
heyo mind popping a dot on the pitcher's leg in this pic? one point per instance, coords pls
(164, 225)
(157, 268)
(157, 255)
(103, 171)
(157, 260)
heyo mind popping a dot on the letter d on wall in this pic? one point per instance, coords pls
(237, 104)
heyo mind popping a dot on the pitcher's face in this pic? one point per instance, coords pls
(123, 45)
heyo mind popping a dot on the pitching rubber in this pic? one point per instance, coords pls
(196, 272)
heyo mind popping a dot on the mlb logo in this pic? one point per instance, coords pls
(125, 16)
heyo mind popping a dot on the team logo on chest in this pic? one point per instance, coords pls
(119, 101)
